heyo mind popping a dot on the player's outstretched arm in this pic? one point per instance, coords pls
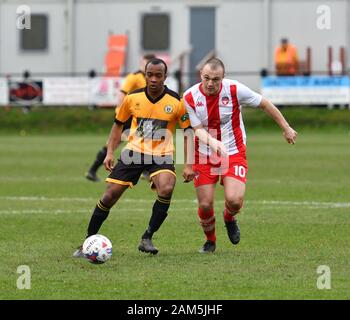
(288, 132)
(113, 142)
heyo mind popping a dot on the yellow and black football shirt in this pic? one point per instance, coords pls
(153, 121)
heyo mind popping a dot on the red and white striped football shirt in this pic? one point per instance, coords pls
(221, 114)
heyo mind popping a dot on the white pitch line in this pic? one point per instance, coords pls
(60, 211)
(46, 179)
(303, 203)
(31, 211)
(310, 204)
(33, 198)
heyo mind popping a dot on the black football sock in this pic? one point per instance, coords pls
(101, 155)
(159, 214)
(99, 215)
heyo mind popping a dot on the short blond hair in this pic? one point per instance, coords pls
(215, 63)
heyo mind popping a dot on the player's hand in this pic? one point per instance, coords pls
(188, 173)
(109, 162)
(290, 135)
(219, 148)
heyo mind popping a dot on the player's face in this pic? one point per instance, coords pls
(155, 77)
(211, 79)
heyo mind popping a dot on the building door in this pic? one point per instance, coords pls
(202, 36)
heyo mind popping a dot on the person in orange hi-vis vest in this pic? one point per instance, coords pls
(286, 59)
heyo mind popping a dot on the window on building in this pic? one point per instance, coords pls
(155, 31)
(35, 38)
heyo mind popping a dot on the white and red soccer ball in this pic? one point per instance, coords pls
(97, 248)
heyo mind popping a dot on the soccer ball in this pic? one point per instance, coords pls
(97, 248)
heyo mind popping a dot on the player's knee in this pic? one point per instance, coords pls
(166, 190)
(234, 205)
(206, 206)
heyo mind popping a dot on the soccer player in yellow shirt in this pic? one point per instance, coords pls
(155, 110)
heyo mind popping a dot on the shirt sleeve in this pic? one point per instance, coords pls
(194, 120)
(248, 97)
(123, 112)
(183, 118)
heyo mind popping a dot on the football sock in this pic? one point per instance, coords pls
(101, 155)
(207, 221)
(229, 213)
(228, 217)
(159, 214)
(99, 215)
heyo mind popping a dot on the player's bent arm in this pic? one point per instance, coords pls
(202, 134)
(206, 138)
(113, 143)
(288, 132)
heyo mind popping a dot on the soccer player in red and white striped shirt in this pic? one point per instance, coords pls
(214, 108)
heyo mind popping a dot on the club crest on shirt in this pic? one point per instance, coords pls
(225, 101)
(168, 109)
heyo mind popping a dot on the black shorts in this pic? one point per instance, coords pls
(131, 164)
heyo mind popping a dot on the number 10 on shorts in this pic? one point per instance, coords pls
(239, 171)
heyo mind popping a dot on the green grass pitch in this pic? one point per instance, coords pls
(296, 218)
